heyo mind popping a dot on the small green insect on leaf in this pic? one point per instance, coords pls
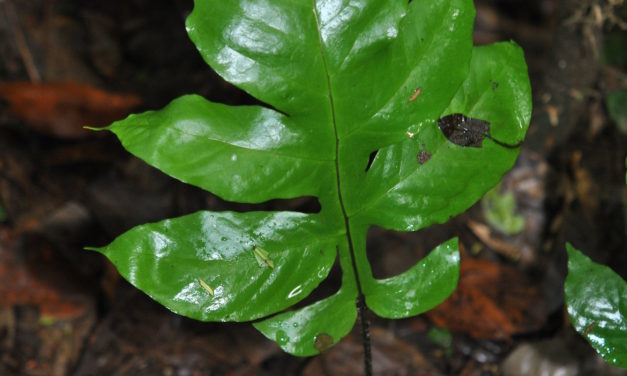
(206, 287)
(262, 258)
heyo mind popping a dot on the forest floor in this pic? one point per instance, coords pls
(66, 311)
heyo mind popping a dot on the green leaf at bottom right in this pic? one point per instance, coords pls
(596, 298)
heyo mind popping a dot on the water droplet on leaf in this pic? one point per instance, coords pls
(281, 338)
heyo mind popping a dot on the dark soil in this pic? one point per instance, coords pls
(66, 311)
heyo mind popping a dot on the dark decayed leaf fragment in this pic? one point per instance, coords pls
(466, 131)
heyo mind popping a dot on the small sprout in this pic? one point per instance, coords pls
(262, 257)
(205, 286)
(410, 135)
(415, 94)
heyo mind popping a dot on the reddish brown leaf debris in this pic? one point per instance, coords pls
(492, 301)
(63, 109)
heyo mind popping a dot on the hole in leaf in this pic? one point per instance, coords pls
(391, 253)
(371, 159)
(305, 204)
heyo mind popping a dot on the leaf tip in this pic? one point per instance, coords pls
(571, 250)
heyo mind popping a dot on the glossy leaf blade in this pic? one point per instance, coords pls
(596, 298)
(398, 47)
(405, 195)
(169, 259)
(303, 331)
(246, 154)
(424, 286)
(347, 78)
(269, 49)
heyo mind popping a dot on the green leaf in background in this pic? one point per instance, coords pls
(617, 107)
(343, 80)
(500, 211)
(614, 47)
(596, 298)
(441, 337)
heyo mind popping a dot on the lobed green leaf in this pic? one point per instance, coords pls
(344, 79)
(173, 259)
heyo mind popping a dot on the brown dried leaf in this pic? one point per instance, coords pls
(55, 298)
(492, 301)
(63, 109)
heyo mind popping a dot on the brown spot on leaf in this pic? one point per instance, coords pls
(415, 94)
(323, 341)
(423, 155)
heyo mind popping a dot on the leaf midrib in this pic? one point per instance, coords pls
(338, 179)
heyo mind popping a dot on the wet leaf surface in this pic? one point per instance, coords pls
(84, 42)
(596, 298)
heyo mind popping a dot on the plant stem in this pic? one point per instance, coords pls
(365, 335)
(361, 306)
